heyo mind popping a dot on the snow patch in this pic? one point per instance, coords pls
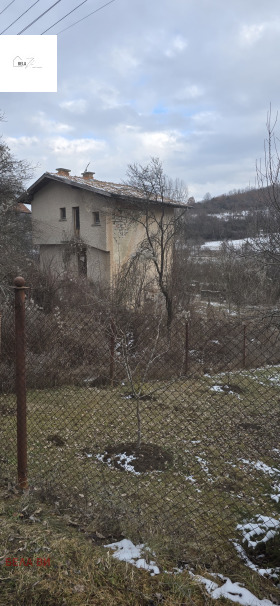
(276, 497)
(217, 388)
(122, 459)
(205, 468)
(193, 481)
(264, 527)
(126, 551)
(264, 572)
(231, 591)
(260, 466)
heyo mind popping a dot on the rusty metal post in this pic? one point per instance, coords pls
(244, 346)
(187, 348)
(112, 351)
(21, 381)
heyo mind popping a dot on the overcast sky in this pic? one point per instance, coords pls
(189, 81)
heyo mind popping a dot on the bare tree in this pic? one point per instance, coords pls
(15, 234)
(268, 178)
(160, 212)
(13, 174)
(138, 365)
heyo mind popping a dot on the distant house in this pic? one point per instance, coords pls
(18, 216)
(21, 209)
(81, 224)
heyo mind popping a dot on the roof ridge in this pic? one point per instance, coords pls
(106, 188)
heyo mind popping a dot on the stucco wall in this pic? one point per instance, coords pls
(98, 265)
(52, 258)
(128, 234)
(50, 229)
(109, 244)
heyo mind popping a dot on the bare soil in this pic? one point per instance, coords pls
(149, 457)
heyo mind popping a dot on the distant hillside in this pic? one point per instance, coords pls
(237, 200)
(229, 216)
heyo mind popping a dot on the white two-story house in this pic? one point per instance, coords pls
(82, 225)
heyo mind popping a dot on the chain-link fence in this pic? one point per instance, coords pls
(164, 434)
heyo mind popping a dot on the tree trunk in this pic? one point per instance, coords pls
(169, 308)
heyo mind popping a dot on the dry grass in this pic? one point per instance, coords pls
(80, 571)
(188, 513)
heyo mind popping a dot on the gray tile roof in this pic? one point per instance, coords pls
(103, 188)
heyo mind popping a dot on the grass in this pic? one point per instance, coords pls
(216, 427)
(81, 571)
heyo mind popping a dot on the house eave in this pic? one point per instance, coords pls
(47, 177)
(135, 200)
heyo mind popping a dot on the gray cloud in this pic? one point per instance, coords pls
(188, 81)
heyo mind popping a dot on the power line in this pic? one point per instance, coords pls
(40, 16)
(96, 11)
(72, 11)
(4, 9)
(4, 30)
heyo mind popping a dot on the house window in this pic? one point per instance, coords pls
(76, 220)
(62, 213)
(96, 218)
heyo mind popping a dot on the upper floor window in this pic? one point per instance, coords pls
(62, 214)
(96, 218)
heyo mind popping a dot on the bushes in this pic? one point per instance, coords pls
(95, 343)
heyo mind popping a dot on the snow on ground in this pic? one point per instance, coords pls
(205, 468)
(229, 215)
(276, 495)
(260, 466)
(225, 389)
(264, 527)
(264, 572)
(193, 481)
(217, 388)
(259, 530)
(123, 460)
(231, 591)
(275, 380)
(271, 471)
(126, 551)
(215, 244)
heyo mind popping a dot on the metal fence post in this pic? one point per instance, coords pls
(112, 351)
(20, 381)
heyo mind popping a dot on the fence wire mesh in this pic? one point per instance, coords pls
(149, 431)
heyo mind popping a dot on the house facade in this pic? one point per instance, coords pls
(84, 226)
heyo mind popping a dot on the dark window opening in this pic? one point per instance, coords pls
(76, 220)
(82, 262)
(96, 218)
(62, 212)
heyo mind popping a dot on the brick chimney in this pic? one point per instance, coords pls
(88, 175)
(63, 172)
